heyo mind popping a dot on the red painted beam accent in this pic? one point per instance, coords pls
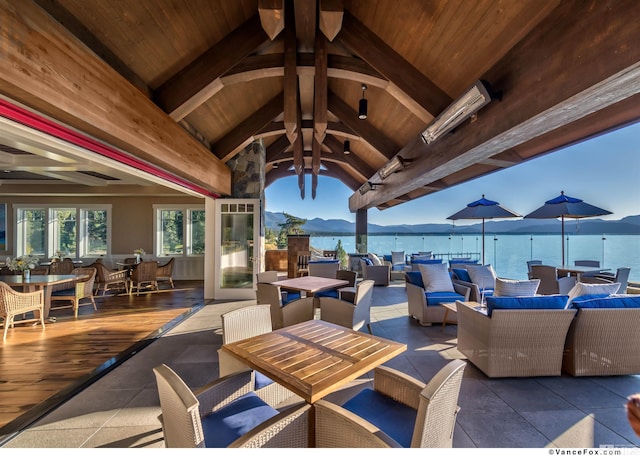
(32, 120)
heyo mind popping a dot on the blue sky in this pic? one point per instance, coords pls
(604, 171)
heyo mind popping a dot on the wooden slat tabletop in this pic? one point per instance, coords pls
(314, 358)
(311, 284)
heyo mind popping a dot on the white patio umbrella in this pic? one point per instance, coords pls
(480, 210)
(564, 206)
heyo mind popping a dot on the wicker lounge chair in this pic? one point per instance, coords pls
(425, 307)
(362, 422)
(225, 413)
(288, 314)
(380, 274)
(604, 341)
(514, 342)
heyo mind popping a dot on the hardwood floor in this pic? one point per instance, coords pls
(41, 368)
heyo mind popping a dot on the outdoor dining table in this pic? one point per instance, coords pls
(315, 357)
(311, 284)
(579, 270)
(39, 282)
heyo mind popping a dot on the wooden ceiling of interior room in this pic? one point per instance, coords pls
(232, 71)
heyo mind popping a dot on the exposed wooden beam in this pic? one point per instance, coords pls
(298, 150)
(363, 129)
(305, 11)
(276, 148)
(243, 133)
(314, 184)
(194, 84)
(277, 173)
(330, 20)
(301, 184)
(271, 16)
(110, 109)
(334, 128)
(358, 164)
(373, 50)
(598, 67)
(334, 170)
(320, 90)
(291, 87)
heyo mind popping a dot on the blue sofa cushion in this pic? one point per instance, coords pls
(526, 302)
(462, 274)
(260, 380)
(367, 261)
(414, 278)
(610, 302)
(291, 296)
(587, 297)
(328, 260)
(234, 420)
(386, 258)
(327, 294)
(395, 419)
(431, 261)
(436, 298)
(397, 267)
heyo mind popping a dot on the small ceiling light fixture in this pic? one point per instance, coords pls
(275, 165)
(394, 165)
(347, 147)
(368, 186)
(362, 107)
(477, 96)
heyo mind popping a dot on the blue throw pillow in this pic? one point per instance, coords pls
(611, 302)
(526, 303)
(462, 274)
(414, 278)
(367, 261)
(583, 298)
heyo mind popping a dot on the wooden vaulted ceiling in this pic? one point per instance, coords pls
(189, 83)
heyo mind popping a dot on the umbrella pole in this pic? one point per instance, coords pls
(563, 240)
(482, 241)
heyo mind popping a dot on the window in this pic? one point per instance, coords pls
(71, 231)
(179, 230)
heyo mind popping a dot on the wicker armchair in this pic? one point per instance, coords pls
(351, 315)
(107, 278)
(14, 303)
(63, 267)
(380, 274)
(144, 274)
(362, 422)
(514, 342)
(550, 283)
(241, 324)
(226, 413)
(82, 288)
(293, 312)
(425, 307)
(164, 272)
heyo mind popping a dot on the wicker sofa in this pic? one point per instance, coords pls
(604, 338)
(514, 342)
(427, 309)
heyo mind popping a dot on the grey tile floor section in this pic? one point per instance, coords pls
(121, 409)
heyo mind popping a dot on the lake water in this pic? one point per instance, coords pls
(508, 253)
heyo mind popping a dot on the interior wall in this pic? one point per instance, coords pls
(131, 224)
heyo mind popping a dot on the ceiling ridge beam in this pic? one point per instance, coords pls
(290, 83)
(193, 84)
(355, 36)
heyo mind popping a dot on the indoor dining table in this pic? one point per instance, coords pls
(39, 282)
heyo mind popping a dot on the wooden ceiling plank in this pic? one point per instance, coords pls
(192, 85)
(363, 129)
(276, 148)
(243, 134)
(291, 87)
(271, 16)
(321, 88)
(110, 109)
(363, 42)
(599, 66)
(330, 20)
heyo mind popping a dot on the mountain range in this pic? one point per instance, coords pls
(626, 225)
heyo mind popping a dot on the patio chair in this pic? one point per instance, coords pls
(380, 274)
(531, 263)
(550, 283)
(284, 314)
(323, 268)
(106, 278)
(347, 293)
(164, 273)
(588, 263)
(144, 274)
(399, 411)
(63, 267)
(302, 264)
(621, 276)
(82, 288)
(225, 413)
(351, 315)
(14, 303)
(241, 324)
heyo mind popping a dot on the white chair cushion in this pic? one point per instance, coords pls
(516, 288)
(482, 275)
(375, 259)
(582, 289)
(435, 277)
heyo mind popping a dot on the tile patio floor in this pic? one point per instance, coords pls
(120, 410)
